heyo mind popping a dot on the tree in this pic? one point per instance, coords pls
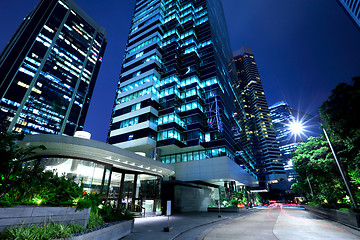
(318, 173)
(12, 159)
(341, 114)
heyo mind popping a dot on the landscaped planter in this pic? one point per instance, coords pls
(34, 215)
(226, 209)
(113, 232)
(349, 218)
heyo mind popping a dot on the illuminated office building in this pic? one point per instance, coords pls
(257, 134)
(174, 91)
(282, 117)
(353, 8)
(48, 70)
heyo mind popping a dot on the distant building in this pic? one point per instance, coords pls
(48, 70)
(282, 117)
(353, 8)
(257, 134)
(174, 99)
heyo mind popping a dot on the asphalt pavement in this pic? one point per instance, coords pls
(270, 223)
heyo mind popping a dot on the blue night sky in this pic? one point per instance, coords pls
(303, 48)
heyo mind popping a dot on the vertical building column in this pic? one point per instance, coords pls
(105, 183)
(121, 189)
(134, 192)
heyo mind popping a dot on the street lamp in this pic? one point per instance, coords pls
(296, 126)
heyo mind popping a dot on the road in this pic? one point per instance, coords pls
(275, 223)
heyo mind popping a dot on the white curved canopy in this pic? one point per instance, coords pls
(86, 149)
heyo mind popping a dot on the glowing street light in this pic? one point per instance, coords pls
(297, 128)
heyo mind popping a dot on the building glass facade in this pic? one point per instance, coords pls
(48, 70)
(282, 117)
(257, 134)
(353, 8)
(176, 81)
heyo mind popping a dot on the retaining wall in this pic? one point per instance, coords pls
(38, 215)
(349, 218)
(113, 232)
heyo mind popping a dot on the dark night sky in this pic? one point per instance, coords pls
(303, 48)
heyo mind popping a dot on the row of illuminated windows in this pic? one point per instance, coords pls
(169, 79)
(196, 155)
(44, 115)
(171, 32)
(189, 41)
(171, 4)
(191, 92)
(155, 17)
(202, 20)
(186, 6)
(169, 91)
(154, 39)
(190, 80)
(153, 57)
(138, 83)
(191, 106)
(171, 12)
(170, 134)
(145, 11)
(142, 18)
(187, 12)
(205, 43)
(203, 13)
(72, 45)
(137, 94)
(46, 107)
(32, 61)
(168, 42)
(187, 19)
(188, 33)
(41, 128)
(171, 118)
(173, 16)
(129, 122)
(190, 50)
(169, 1)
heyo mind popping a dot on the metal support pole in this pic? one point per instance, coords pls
(340, 169)
(312, 193)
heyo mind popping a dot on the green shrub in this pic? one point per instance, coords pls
(110, 214)
(48, 231)
(95, 219)
(89, 200)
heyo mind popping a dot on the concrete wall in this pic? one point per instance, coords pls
(33, 215)
(349, 218)
(113, 232)
(190, 199)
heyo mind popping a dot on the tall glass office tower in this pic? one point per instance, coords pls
(353, 8)
(258, 135)
(174, 99)
(282, 117)
(175, 83)
(48, 70)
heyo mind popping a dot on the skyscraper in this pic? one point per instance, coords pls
(282, 117)
(48, 70)
(174, 99)
(257, 135)
(174, 82)
(353, 8)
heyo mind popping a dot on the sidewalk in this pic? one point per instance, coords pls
(153, 227)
